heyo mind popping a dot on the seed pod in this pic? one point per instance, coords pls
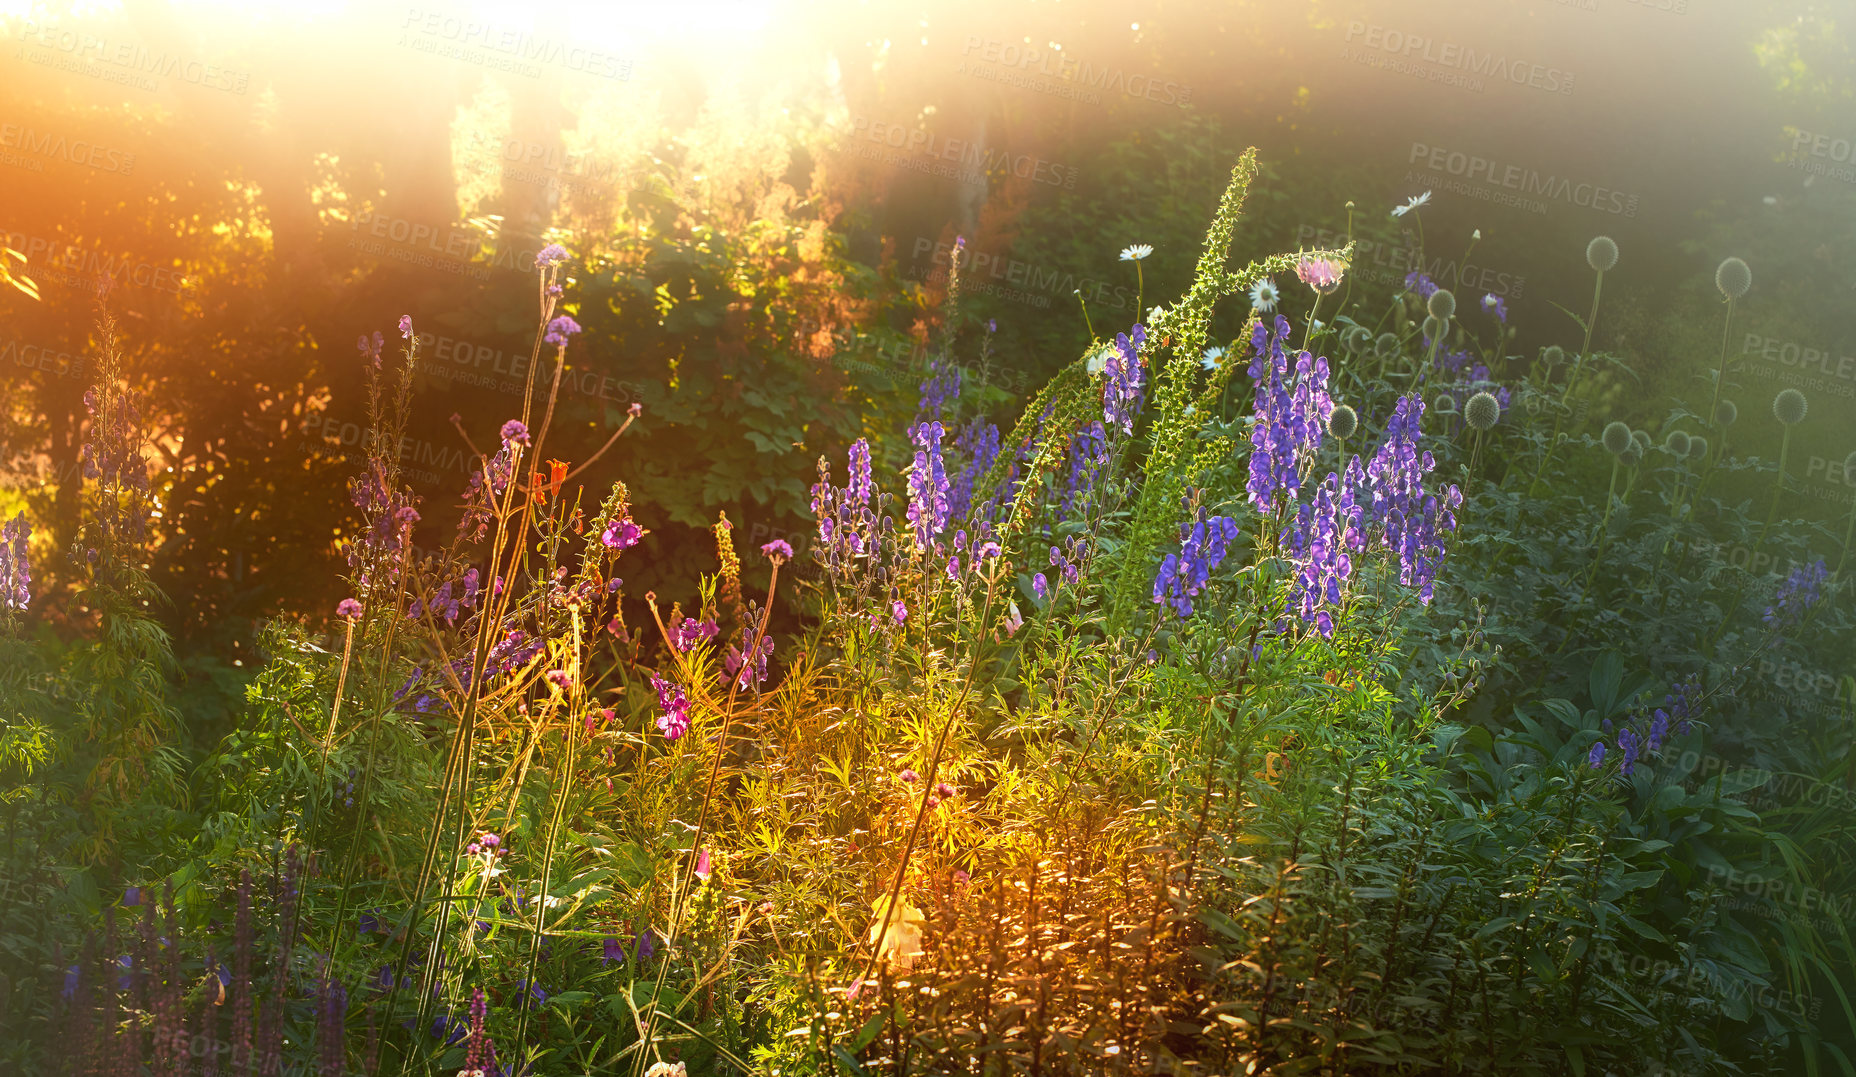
(1616, 438)
(1343, 422)
(1631, 457)
(1641, 440)
(1697, 447)
(1443, 404)
(1789, 406)
(1554, 355)
(1442, 304)
(1675, 443)
(1385, 345)
(1725, 415)
(1482, 411)
(1733, 278)
(1435, 328)
(1602, 253)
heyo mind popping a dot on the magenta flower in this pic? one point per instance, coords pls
(1321, 274)
(559, 330)
(909, 777)
(370, 348)
(15, 569)
(551, 255)
(671, 699)
(515, 430)
(779, 549)
(691, 632)
(348, 608)
(703, 870)
(560, 678)
(943, 790)
(898, 612)
(406, 326)
(621, 534)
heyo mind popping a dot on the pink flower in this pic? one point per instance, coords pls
(560, 678)
(778, 550)
(909, 777)
(703, 870)
(635, 410)
(348, 608)
(406, 326)
(516, 430)
(1321, 274)
(621, 534)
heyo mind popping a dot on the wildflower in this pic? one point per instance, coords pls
(1421, 283)
(1136, 252)
(1482, 411)
(1040, 587)
(942, 385)
(515, 431)
(1343, 421)
(1789, 406)
(1496, 305)
(667, 1069)
(621, 534)
(559, 330)
(898, 612)
(1211, 358)
(1264, 295)
(961, 878)
(551, 255)
(1733, 278)
(646, 944)
(1288, 421)
(1412, 519)
(1321, 274)
(933, 803)
(406, 326)
(132, 896)
(560, 679)
(1602, 254)
(369, 347)
(1319, 538)
(900, 944)
(1414, 202)
(703, 869)
(1122, 393)
(1442, 306)
(1629, 745)
(1184, 574)
(613, 950)
(691, 632)
(779, 551)
(1800, 591)
(1013, 620)
(978, 442)
(944, 790)
(744, 671)
(908, 777)
(1098, 360)
(1598, 754)
(15, 570)
(928, 502)
(675, 705)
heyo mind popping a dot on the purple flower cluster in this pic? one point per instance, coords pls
(1184, 574)
(1497, 306)
(1800, 591)
(691, 632)
(749, 674)
(559, 330)
(943, 385)
(1320, 536)
(1413, 519)
(1123, 389)
(928, 503)
(1088, 456)
(844, 516)
(390, 517)
(446, 603)
(1420, 282)
(479, 498)
(112, 455)
(550, 256)
(1291, 416)
(15, 571)
(675, 705)
(978, 444)
(620, 534)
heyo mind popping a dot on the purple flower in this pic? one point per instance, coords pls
(1497, 306)
(551, 255)
(621, 534)
(1598, 754)
(613, 949)
(559, 330)
(515, 431)
(979, 444)
(560, 678)
(369, 347)
(744, 672)
(1040, 587)
(1800, 591)
(691, 632)
(406, 326)
(908, 777)
(898, 612)
(1420, 282)
(1184, 574)
(1088, 458)
(1291, 415)
(1412, 519)
(348, 608)
(646, 944)
(844, 517)
(1321, 274)
(132, 896)
(1629, 744)
(928, 504)
(1122, 388)
(1319, 538)
(943, 384)
(15, 570)
(779, 548)
(675, 705)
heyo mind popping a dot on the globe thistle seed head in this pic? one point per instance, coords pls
(1434, 328)
(1554, 355)
(1675, 443)
(1482, 411)
(1733, 278)
(1443, 404)
(1385, 345)
(1602, 253)
(1616, 437)
(1442, 304)
(1631, 456)
(1725, 415)
(1343, 422)
(1697, 447)
(1789, 406)
(1358, 339)
(1641, 439)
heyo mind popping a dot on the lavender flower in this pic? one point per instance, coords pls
(1800, 591)
(1411, 518)
(1497, 306)
(480, 1056)
(978, 443)
(1290, 417)
(941, 386)
(1597, 755)
(515, 431)
(928, 504)
(1184, 574)
(675, 705)
(551, 255)
(1123, 388)
(406, 326)
(1088, 458)
(612, 950)
(1321, 274)
(778, 549)
(15, 570)
(1420, 282)
(330, 1027)
(747, 674)
(348, 608)
(1319, 538)
(369, 347)
(559, 330)
(691, 632)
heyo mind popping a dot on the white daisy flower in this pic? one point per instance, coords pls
(1212, 358)
(1264, 296)
(1136, 252)
(1098, 360)
(1400, 211)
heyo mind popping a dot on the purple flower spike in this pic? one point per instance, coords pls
(559, 330)
(778, 548)
(551, 255)
(515, 431)
(675, 704)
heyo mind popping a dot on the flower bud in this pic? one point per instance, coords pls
(1482, 411)
(1602, 253)
(1789, 406)
(1616, 438)
(1733, 278)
